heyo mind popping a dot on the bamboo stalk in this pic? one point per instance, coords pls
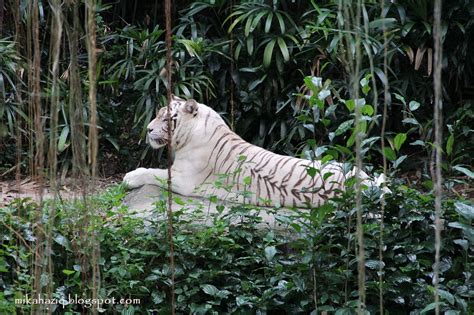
(384, 158)
(35, 92)
(232, 68)
(352, 22)
(18, 95)
(92, 74)
(90, 217)
(169, 98)
(56, 35)
(438, 121)
(2, 4)
(75, 104)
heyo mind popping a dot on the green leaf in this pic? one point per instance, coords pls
(281, 22)
(257, 82)
(463, 243)
(113, 142)
(368, 110)
(309, 83)
(242, 158)
(210, 289)
(284, 49)
(428, 308)
(312, 144)
(157, 297)
(400, 98)
(327, 175)
(61, 240)
(344, 311)
(351, 139)
(344, 127)
(128, 310)
(418, 142)
(464, 170)
(381, 75)
(374, 264)
(62, 139)
(268, 22)
(414, 105)
(247, 180)
(445, 295)
(326, 158)
(257, 19)
(461, 226)
(248, 25)
(399, 161)
(270, 252)
(311, 171)
(399, 140)
(350, 104)
(236, 21)
(383, 22)
(250, 45)
(364, 83)
(68, 272)
(3, 267)
(369, 141)
(237, 51)
(389, 154)
(365, 89)
(152, 278)
(467, 211)
(267, 54)
(412, 121)
(2, 91)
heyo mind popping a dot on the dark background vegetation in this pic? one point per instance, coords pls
(255, 56)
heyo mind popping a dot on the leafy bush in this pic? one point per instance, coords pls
(257, 54)
(233, 265)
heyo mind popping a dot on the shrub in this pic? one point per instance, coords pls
(235, 266)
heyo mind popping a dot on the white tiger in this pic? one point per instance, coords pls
(205, 149)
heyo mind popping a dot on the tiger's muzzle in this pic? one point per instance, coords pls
(155, 139)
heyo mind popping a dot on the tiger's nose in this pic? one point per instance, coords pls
(150, 130)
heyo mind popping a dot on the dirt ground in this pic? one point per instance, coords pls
(69, 188)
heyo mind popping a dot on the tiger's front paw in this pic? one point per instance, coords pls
(136, 178)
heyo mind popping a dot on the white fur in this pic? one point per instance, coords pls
(205, 147)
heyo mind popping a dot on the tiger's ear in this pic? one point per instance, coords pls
(191, 106)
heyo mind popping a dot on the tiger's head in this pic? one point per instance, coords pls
(181, 112)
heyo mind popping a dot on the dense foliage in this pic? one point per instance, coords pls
(279, 72)
(235, 265)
